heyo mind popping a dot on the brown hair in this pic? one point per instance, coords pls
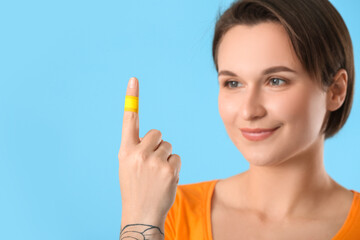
(318, 35)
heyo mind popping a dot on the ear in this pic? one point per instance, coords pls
(336, 92)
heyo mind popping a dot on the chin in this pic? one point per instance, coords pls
(261, 162)
(261, 159)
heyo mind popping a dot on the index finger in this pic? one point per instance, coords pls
(130, 128)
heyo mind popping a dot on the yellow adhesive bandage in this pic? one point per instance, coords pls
(131, 103)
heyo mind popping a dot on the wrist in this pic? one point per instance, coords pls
(141, 230)
(157, 223)
(130, 218)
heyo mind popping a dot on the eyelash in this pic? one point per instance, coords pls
(229, 81)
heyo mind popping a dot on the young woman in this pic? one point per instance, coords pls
(286, 77)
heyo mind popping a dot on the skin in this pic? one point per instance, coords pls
(286, 192)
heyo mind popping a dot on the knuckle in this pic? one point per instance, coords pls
(176, 156)
(177, 159)
(123, 152)
(158, 158)
(156, 133)
(167, 144)
(129, 116)
(154, 166)
(141, 156)
(169, 170)
(120, 156)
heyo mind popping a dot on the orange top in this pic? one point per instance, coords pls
(189, 217)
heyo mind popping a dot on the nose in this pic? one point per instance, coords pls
(251, 105)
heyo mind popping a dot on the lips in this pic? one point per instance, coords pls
(257, 134)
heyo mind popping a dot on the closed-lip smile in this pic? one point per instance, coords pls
(257, 134)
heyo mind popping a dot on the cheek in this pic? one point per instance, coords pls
(228, 108)
(301, 111)
(286, 107)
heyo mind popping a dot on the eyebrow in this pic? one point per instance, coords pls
(264, 72)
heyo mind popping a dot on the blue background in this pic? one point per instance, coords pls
(64, 67)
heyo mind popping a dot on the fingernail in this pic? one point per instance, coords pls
(132, 82)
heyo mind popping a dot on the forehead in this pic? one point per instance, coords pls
(246, 48)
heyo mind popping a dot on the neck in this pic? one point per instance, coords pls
(290, 188)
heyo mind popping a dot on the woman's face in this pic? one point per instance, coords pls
(259, 96)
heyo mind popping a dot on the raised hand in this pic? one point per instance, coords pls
(148, 174)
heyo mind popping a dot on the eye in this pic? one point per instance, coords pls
(231, 84)
(277, 81)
